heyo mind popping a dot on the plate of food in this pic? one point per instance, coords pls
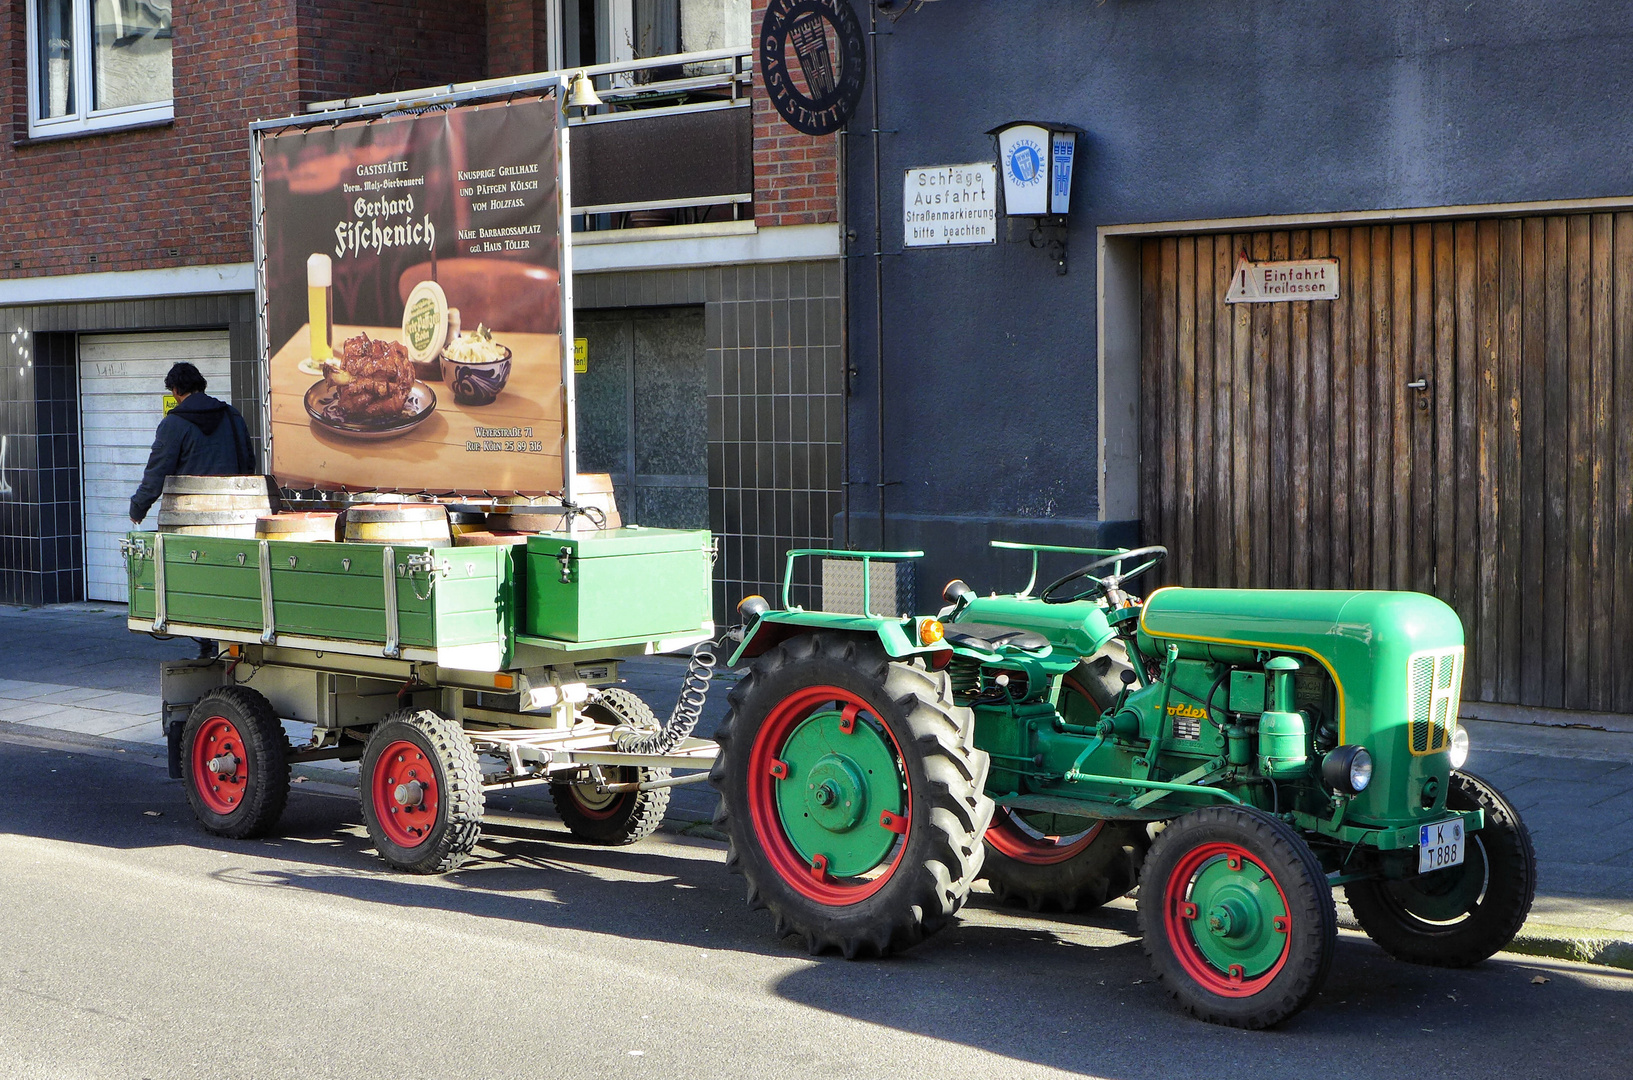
(369, 392)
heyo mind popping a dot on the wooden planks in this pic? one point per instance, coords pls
(1283, 447)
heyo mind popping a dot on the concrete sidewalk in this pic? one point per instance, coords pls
(73, 673)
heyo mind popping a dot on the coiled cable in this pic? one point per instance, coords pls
(694, 694)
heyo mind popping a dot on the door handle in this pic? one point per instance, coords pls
(1418, 384)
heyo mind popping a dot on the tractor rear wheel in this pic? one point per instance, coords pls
(1461, 915)
(611, 817)
(851, 795)
(421, 791)
(1047, 861)
(234, 763)
(1237, 916)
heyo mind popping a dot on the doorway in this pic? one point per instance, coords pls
(1458, 422)
(643, 413)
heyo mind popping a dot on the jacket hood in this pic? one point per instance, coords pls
(202, 411)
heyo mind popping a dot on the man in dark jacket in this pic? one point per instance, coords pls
(201, 436)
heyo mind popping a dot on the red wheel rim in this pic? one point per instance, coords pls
(220, 773)
(1008, 838)
(1179, 926)
(811, 882)
(407, 813)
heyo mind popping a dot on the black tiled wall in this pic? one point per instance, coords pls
(40, 549)
(41, 523)
(776, 410)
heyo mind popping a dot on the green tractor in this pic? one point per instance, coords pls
(1234, 753)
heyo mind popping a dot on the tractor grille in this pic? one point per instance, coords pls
(1434, 683)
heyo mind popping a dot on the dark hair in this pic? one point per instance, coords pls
(184, 378)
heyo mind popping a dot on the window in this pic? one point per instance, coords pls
(97, 64)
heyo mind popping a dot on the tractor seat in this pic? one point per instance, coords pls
(992, 638)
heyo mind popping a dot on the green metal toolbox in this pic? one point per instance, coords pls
(617, 584)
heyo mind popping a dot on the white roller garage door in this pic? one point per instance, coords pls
(121, 388)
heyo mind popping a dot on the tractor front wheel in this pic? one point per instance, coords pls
(421, 791)
(234, 763)
(1237, 916)
(851, 795)
(1462, 914)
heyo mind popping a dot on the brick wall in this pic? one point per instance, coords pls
(128, 198)
(518, 37)
(796, 176)
(355, 47)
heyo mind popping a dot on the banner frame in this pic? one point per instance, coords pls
(554, 84)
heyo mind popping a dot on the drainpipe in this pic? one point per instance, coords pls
(878, 278)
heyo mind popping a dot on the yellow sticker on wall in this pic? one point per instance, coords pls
(581, 355)
(169, 403)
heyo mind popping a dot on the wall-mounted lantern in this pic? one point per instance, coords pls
(1036, 159)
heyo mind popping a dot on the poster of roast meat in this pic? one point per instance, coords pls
(413, 300)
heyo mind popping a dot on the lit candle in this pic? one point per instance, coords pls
(320, 306)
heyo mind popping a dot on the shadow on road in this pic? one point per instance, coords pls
(1071, 993)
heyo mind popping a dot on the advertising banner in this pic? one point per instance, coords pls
(413, 300)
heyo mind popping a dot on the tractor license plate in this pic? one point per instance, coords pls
(1440, 845)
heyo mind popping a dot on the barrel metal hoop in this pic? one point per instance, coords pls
(388, 574)
(161, 609)
(269, 627)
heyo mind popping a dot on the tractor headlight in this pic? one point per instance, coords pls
(752, 607)
(1348, 769)
(1460, 746)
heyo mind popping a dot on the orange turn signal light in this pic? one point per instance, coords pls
(931, 632)
(504, 682)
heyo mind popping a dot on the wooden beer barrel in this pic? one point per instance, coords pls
(461, 523)
(312, 527)
(488, 539)
(409, 524)
(216, 505)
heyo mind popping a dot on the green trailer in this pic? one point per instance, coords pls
(443, 671)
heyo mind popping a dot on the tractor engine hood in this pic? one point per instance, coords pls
(1395, 657)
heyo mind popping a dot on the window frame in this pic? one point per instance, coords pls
(84, 120)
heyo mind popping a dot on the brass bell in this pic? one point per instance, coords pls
(583, 93)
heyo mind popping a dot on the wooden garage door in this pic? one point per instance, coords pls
(1283, 445)
(121, 387)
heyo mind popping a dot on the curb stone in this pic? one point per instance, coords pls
(1573, 943)
(1587, 946)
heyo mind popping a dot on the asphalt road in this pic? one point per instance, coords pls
(132, 945)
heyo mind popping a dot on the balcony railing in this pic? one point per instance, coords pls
(672, 142)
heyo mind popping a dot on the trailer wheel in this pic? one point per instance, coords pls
(1070, 863)
(1461, 915)
(421, 792)
(614, 818)
(851, 799)
(234, 763)
(1237, 916)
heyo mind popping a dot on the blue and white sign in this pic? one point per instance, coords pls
(1036, 162)
(1060, 191)
(1023, 151)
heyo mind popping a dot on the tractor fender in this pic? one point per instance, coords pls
(899, 637)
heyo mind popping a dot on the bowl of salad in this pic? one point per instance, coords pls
(476, 367)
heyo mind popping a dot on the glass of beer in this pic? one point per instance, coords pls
(320, 306)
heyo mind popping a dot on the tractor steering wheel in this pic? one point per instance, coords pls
(1097, 587)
